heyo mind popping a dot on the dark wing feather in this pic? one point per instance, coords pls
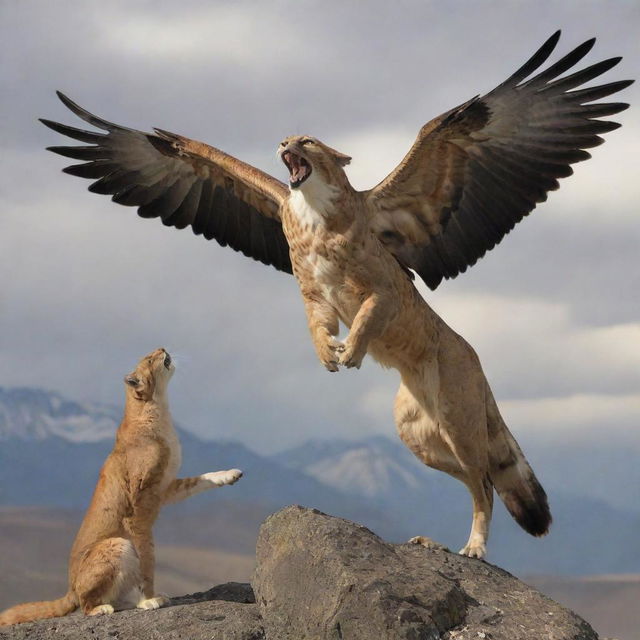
(182, 182)
(476, 171)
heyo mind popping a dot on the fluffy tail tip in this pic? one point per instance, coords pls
(532, 512)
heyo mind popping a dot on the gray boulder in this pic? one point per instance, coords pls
(323, 578)
(327, 578)
(227, 612)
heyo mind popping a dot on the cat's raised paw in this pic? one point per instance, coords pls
(221, 478)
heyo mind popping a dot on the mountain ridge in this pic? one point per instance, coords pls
(376, 481)
(36, 414)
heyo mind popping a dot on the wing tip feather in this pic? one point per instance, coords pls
(60, 150)
(85, 115)
(107, 156)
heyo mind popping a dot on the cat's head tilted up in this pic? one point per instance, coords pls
(150, 377)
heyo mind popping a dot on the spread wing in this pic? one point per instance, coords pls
(182, 182)
(477, 170)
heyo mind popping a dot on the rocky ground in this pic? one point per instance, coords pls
(323, 577)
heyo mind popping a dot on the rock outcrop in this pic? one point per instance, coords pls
(321, 577)
(227, 611)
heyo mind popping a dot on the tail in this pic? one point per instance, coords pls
(513, 478)
(39, 610)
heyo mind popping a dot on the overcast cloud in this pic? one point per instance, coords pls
(88, 287)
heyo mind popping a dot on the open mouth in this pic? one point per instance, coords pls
(167, 361)
(299, 168)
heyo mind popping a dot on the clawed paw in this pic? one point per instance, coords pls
(101, 610)
(156, 602)
(232, 476)
(349, 358)
(329, 354)
(428, 543)
(335, 353)
(221, 478)
(474, 551)
(331, 365)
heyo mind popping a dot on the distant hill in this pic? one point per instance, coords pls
(35, 544)
(389, 477)
(377, 468)
(51, 450)
(33, 414)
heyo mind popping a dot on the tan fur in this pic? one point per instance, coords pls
(444, 410)
(111, 565)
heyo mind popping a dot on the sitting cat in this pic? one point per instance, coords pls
(112, 562)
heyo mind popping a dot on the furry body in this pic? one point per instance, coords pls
(444, 411)
(472, 174)
(111, 564)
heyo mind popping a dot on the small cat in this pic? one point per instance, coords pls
(111, 564)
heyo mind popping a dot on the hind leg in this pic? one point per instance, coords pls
(108, 577)
(149, 599)
(481, 491)
(452, 437)
(420, 434)
(462, 414)
(482, 497)
(472, 470)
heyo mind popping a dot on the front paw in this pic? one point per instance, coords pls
(102, 610)
(161, 600)
(329, 354)
(350, 356)
(221, 478)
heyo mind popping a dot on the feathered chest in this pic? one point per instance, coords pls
(327, 269)
(309, 212)
(327, 263)
(326, 244)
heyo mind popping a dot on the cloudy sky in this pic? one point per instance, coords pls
(88, 287)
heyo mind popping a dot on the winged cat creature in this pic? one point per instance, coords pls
(470, 176)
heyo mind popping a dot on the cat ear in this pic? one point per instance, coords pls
(131, 380)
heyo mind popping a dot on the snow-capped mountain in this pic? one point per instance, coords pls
(34, 414)
(375, 468)
(52, 448)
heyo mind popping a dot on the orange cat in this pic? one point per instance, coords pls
(112, 562)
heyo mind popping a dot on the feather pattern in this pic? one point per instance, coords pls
(474, 172)
(182, 182)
